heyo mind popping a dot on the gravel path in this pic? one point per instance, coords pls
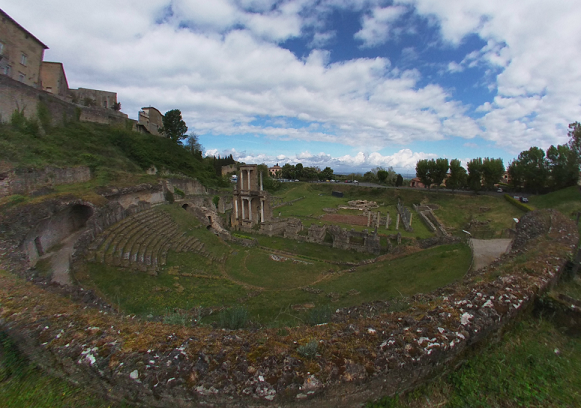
(488, 250)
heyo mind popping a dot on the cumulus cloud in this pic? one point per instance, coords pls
(222, 65)
(377, 27)
(533, 51)
(403, 161)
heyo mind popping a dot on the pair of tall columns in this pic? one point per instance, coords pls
(248, 178)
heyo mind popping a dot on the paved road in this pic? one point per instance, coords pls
(442, 190)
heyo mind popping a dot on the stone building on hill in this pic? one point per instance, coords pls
(21, 53)
(150, 120)
(94, 97)
(54, 79)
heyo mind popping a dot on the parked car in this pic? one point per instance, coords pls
(499, 190)
(524, 200)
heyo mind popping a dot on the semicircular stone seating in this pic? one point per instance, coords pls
(142, 241)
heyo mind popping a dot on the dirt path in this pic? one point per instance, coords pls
(488, 250)
(60, 260)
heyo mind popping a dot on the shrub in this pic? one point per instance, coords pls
(179, 192)
(319, 315)
(234, 318)
(43, 115)
(518, 204)
(178, 318)
(308, 350)
(169, 197)
(12, 362)
(216, 201)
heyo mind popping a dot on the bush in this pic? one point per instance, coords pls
(169, 197)
(518, 204)
(308, 350)
(319, 315)
(43, 115)
(234, 318)
(179, 192)
(178, 318)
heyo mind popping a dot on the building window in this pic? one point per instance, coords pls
(105, 104)
(1, 48)
(7, 70)
(21, 77)
(23, 59)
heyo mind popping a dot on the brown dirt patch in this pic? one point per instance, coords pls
(345, 219)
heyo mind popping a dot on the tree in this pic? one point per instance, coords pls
(475, 174)
(174, 127)
(492, 171)
(288, 171)
(575, 138)
(423, 172)
(531, 168)
(439, 169)
(116, 106)
(563, 165)
(326, 174)
(382, 175)
(458, 175)
(193, 145)
(399, 180)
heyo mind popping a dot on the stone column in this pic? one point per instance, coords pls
(249, 181)
(368, 218)
(411, 215)
(242, 202)
(236, 207)
(387, 221)
(260, 181)
(242, 182)
(378, 219)
(249, 208)
(261, 208)
(397, 223)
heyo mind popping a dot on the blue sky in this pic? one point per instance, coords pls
(350, 84)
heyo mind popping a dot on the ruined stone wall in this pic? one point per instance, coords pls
(188, 186)
(26, 181)
(17, 96)
(157, 365)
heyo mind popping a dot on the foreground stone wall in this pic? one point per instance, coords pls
(364, 353)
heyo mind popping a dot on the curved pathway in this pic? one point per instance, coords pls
(486, 251)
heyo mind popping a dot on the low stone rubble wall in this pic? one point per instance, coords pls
(365, 352)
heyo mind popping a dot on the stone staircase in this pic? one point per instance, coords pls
(142, 242)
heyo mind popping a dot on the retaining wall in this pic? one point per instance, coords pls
(26, 181)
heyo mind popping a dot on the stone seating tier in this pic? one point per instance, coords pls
(142, 242)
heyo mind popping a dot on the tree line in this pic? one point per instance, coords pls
(534, 171)
(537, 171)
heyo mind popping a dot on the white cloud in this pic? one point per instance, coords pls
(402, 161)
(220, 63)
(533, 52)
(377, 27)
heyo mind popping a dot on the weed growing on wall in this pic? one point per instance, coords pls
(234, 318)
(308, 350)
(319, 315)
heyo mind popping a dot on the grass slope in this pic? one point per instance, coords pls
(110, 152)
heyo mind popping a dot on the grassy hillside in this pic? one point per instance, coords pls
(109, 151)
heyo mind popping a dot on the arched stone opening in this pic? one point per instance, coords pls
(55, 229)
(185, 206)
